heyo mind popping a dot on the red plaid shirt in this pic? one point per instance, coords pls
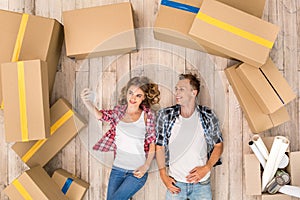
(107, 142)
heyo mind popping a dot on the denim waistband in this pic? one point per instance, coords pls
(201, 182)
(122, 170)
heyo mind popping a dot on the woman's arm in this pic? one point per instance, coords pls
(87, 98)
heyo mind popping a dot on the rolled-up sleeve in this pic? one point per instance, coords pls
(160, 129)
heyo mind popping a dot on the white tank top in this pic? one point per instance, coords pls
(188, 147)
(129, 140)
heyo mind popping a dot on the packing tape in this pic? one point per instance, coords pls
(67, 185)
(180, 6)
(21, 190)
(53, 129)
(20, 37)
(22, 101)
(235, 30)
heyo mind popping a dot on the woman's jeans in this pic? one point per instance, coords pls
(123, 184)
(191, 191)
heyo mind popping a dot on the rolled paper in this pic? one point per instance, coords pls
(261, 146)
(278, 149)
(290, 190)
(284, 162)
(258, 154)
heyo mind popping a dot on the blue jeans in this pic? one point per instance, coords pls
(123, 184)
(191, 191)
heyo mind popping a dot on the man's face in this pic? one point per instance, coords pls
(184, 93)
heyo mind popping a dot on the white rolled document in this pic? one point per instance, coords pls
(261, 146)
(290, 190)
(277, 152)
(258, 154)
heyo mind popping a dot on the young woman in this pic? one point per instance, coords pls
(131, 136)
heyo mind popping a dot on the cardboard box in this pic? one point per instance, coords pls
(266, 84)
(234, 33)
(258, 120)
(26, 96)
(253, 172)
(294, 169)
(73, 187)
(34, 184)
(65, 123)
(175, 19)
(42, 39)
(99, 31)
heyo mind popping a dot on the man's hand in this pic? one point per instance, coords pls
(197, 174)
(170, 184)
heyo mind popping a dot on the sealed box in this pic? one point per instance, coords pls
(65, 124)
(73, 187)
(28, 37)
(234, 33)
(258, 120)
(267, 85)
(253, 173)
(34, 184)
(175, 19)
(99, 31)
(26, 96)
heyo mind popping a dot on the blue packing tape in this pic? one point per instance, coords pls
(67, 185)
(180, 6)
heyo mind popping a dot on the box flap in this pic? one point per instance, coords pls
(252, 175)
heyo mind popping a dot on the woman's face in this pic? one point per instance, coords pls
(135, 95)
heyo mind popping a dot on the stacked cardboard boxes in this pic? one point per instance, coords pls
(27, 37)
(175, 19)
(65, 124)
(34, 183)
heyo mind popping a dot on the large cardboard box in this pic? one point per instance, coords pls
(234, 33)
(73, 187)
(175, 19)
(267, 86)
(65, 123)
(99, 31)
(253, 173)
(258, 120)
(28, 37)
(34, 184)
(26, 96)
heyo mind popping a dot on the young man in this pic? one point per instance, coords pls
(189, 141)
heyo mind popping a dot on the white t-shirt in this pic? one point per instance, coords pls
(187, 147)
(129, 140)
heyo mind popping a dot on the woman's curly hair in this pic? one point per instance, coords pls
(147, 86)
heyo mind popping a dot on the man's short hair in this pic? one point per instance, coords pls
(194, 81)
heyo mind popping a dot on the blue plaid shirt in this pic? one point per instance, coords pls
(167, 117)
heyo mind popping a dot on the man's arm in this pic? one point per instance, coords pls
(199, 172)
(167, 180)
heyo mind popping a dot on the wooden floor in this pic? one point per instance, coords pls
(161, 62)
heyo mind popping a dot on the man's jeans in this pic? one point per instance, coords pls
(123, 184)
(191, 191)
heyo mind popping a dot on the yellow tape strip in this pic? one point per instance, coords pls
(40, 143)
(2, 105)
(22, 101)
(21, 190)
(235, 30)
(20, 37)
